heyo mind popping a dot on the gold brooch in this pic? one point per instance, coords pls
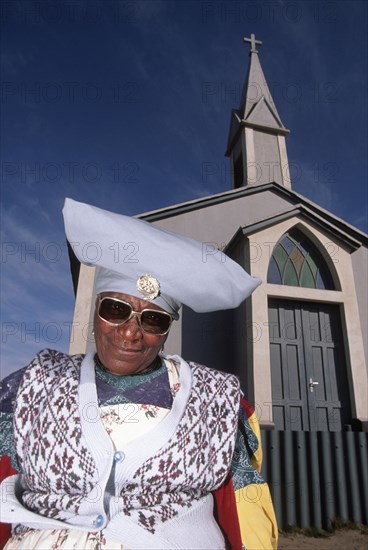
(148, 286)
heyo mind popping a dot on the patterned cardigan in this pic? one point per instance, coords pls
(199, 442)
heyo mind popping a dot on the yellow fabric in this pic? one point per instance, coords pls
(256, 459)
(257, 519)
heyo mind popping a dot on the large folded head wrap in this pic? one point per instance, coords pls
(137, 258)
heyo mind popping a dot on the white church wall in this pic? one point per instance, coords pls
(360, 269)
(218, 223)
(82, 340)
(242, 341)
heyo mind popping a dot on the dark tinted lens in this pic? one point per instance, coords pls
(113, 311)
(155, 322)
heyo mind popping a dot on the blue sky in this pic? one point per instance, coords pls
(126, 105)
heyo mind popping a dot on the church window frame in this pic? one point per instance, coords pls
(297, 261)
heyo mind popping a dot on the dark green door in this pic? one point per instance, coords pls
(308, 368)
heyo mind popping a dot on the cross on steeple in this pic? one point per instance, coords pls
(253, 43)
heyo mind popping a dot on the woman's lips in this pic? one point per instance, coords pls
(120, 348)
(129, 350)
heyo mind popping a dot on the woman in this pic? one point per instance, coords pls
(125, 447)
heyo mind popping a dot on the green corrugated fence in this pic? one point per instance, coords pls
(317, 477)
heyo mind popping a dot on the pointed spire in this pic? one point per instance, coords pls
(256, 142)
(256, 92)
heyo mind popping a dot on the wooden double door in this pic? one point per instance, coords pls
(308, 367)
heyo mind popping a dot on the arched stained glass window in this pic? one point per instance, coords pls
(296, 261)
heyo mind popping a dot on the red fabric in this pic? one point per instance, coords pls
(249, 410)
(6, 470)
(226, 514)
(225, 504)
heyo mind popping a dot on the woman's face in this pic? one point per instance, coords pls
(126, 349)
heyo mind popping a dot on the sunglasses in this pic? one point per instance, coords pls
(117, 312)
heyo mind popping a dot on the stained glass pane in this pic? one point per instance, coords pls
(280, 256)
(290, 277)
(313, 266)
(298, 260)
(288, 244)
(304, 246)
(320, 282)
(273, 275)
(307, 278)
(324, 279)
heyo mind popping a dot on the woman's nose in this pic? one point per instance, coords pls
(131, 329)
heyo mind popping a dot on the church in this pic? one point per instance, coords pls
(298, 344)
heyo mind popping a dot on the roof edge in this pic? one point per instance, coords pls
(195, 204)
(304, 212)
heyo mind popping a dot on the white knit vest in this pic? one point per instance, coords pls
(159, 495)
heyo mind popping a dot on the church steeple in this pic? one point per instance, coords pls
(256, 143)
